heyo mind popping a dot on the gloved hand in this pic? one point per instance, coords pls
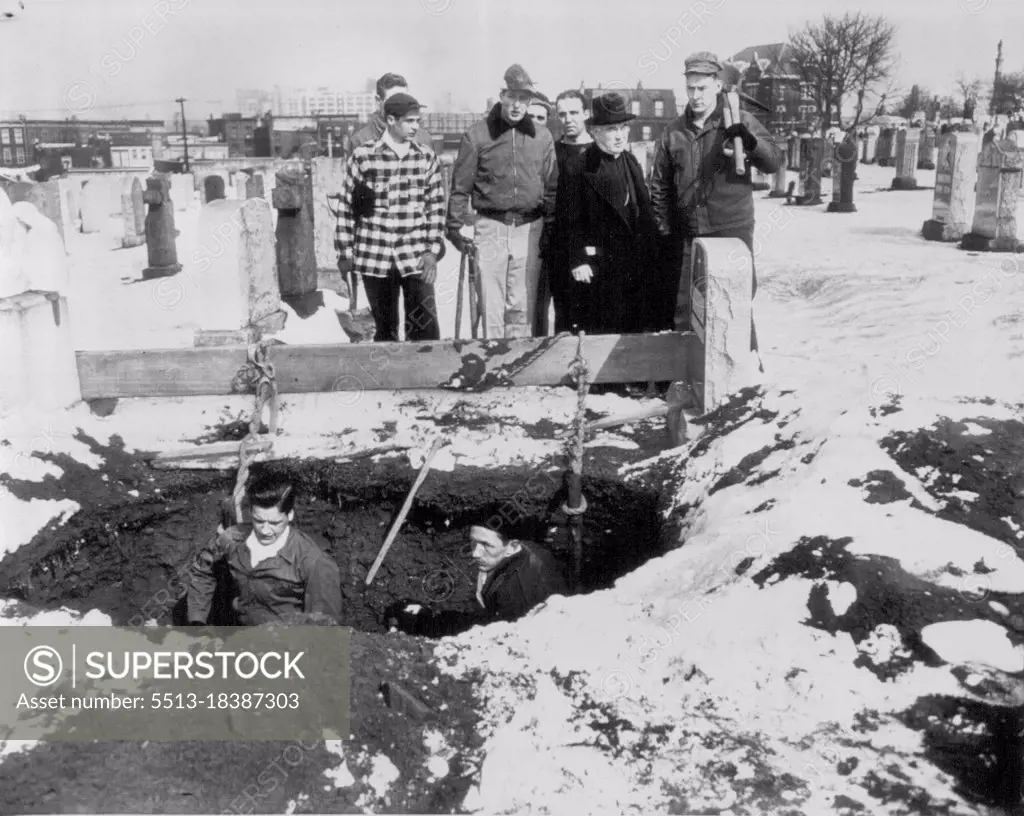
(345, 265)
(458, 241)
(741, 130)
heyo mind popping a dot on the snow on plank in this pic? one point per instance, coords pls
(469, 365)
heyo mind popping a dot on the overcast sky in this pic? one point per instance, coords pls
(100, 58)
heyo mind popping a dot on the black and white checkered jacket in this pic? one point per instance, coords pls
(392, 209)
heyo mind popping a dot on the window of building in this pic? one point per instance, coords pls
(659, 108)
(635, 107)
(647, 133)
(5, 136)
(20, 155)
(7, 155)
(780, 108)
(19, 137)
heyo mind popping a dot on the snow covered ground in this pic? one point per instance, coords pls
(781, 660)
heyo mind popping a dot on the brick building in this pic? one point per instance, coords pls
(14, 144)
(238, 131)
(769, 74)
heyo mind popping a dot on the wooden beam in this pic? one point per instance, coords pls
(469, 365)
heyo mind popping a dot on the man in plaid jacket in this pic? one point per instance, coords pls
(391, 222)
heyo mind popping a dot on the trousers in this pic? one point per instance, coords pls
(509, 273)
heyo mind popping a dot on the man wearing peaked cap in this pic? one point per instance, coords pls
(695, 190)
(606, 217)
(506, 169)
(397, 238)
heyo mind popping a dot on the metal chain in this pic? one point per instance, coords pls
(257, 375)
(580, 372)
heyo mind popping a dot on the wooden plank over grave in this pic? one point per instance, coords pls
(468, 365)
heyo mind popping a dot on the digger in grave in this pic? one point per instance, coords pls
(277, 572)
(513, 577)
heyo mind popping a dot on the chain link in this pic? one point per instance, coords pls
(257, 376)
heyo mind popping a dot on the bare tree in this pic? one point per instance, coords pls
(846, 61)
(843, 60)
(969, 90)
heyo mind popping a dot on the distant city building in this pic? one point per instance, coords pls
(253, 102)
(82, 131)
(14, 144)
(654, 109)
(771, 75)
(199, 147)
(311, 101)
(237, 131)
(131, 150)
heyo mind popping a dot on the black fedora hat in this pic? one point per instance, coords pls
(610, 109)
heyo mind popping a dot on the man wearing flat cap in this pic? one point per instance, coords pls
(396, 240)
(506, 169)
(695, 190)
(607, 225)
(513, 577)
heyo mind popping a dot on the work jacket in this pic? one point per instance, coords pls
(522, 581)
(300, 578)
(695, 189)
(503, 168)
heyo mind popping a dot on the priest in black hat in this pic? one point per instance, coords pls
(608, 225)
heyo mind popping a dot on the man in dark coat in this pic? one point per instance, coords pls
(608, 227)
(387, 86)
(514, 577)
(695, 190)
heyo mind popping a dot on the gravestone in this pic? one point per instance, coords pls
(793, 152)
(810, 172)
(328, 177)
(45, 197)
(926, 155)
(994, 228)
(870, 143)
(721, 318)
(907, 143)
(235, 271)
(884, 147)
(843, 173)
(94, 206)
(241, 181)
(160, 231)
(254, 186)
(131, 218)
(779, 182)
(213, 188)
(956, 173)
(183, 191)
(296, 235)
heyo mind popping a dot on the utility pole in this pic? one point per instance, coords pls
(184, 131)
(995, 82)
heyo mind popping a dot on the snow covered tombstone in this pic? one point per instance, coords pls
(995, 209)
(956, 173)
(907, 143)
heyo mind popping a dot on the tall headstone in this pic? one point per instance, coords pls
(213, 188)
(235, 271)
(328, 177)
(844, 171)
(810, 172)
(241, 180)
(907, 143)
(133, 237)
(870, 147)
(926, 154)
(94, 206)
(160, 231)
(182, 191)
(884, 147)
(956, 173)
(995, 209)
(45, 197)
(793, 152)
(296, 235)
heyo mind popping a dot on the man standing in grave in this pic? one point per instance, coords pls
(397, 239)
(695, 190)
(513, 577)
